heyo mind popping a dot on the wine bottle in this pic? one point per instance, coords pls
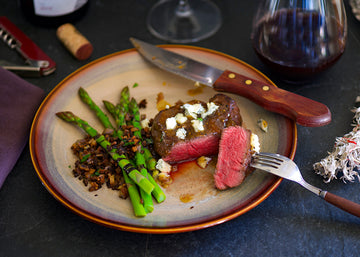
(53, 12)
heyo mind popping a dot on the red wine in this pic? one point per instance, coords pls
(298, 44)
(54, 12)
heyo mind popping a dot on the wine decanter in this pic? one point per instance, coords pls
(299, 38)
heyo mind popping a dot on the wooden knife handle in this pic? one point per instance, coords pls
(342, 203)
(304, 111)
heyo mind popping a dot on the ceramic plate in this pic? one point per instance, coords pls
(192, 201)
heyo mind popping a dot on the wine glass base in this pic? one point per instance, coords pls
(200, 21)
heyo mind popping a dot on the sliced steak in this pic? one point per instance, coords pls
(194, 144)
(234, 157)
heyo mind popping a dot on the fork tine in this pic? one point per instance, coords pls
(272, 156)
(269, 163)
(267, 159)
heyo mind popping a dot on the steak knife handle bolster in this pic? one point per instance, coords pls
(304, 111)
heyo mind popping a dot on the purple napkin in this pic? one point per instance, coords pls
(19, 101)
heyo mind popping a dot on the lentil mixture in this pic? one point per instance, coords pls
(94, 166)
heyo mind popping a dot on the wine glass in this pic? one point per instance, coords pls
(299, 39)
(183, 21)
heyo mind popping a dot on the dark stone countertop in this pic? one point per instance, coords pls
(290, 222)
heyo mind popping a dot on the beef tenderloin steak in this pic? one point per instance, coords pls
(234, 157)
(187, 131)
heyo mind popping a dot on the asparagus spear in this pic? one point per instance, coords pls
(93, 106)
(146, 198)
(124, 99)
(134, 110)
(139, 209)
(124, 106)
(144, 157)
(150, 162)
(123, 162)
(157, 192)
(121, 109)
(117, 114)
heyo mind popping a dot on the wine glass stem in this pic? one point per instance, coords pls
(183, 2)
(183, 21)
(183, 9)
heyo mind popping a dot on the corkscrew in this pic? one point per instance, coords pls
(37, 62)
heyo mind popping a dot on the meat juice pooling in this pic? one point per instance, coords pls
(298, 39)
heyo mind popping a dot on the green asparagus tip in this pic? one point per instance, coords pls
(66, 116)
(81, 91)
(125, 90)
(109, 106)
(133, 101)
(84, 95)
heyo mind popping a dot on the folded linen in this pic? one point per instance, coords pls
(19, 101)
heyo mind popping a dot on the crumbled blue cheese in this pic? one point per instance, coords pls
(181, 133)
(254, 143)
(171, 123)
(180, 118)
(193, 110)
(263, 125)
(211, 108)
(145, 123)
(198, 125)
(163, 166)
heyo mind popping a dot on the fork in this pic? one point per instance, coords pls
(284, 167)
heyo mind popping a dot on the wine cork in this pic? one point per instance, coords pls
(74, 41)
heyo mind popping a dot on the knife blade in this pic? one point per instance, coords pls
(304, 111)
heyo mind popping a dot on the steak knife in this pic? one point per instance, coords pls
(304, 111)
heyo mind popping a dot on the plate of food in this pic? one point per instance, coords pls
(194, 199)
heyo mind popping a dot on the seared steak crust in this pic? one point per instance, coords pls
(196, 143)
